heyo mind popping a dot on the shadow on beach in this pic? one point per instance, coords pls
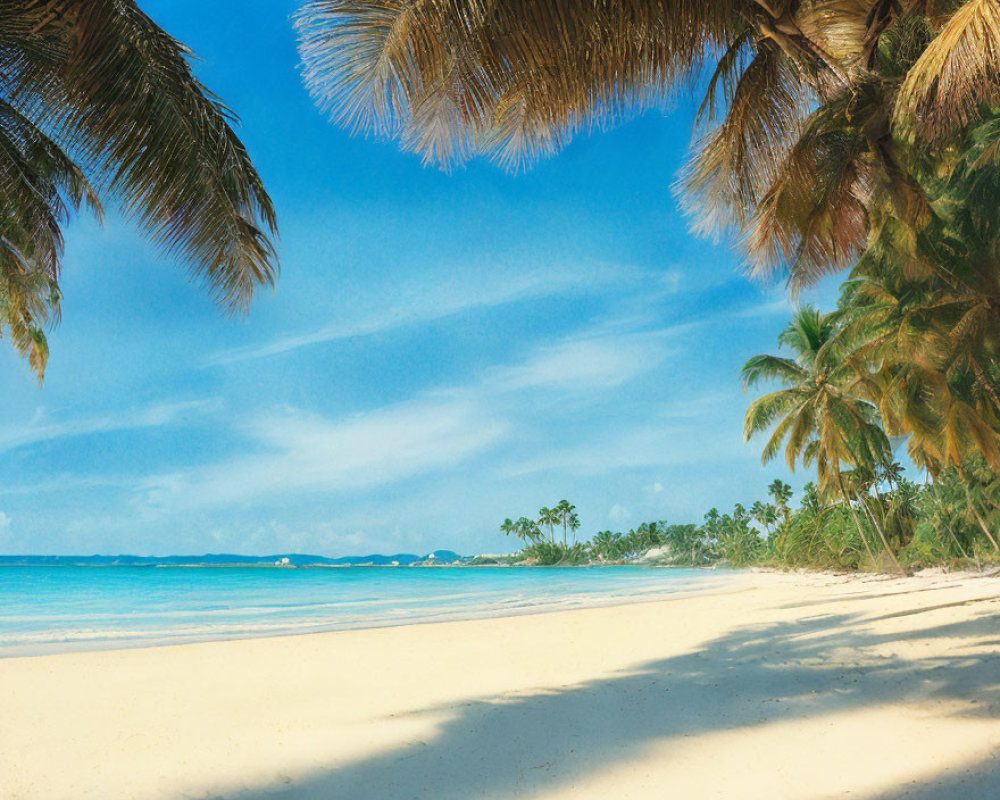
(523, 746)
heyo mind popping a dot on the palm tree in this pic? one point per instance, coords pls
(818, 413)
(98, 101)
(817, 416)
(565, 516)
(529, 530)
(782, 493)
(574, 524)
(550, 517)
(606, 545)
(765, 514)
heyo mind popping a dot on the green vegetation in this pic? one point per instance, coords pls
(97, 101)
(891, 524)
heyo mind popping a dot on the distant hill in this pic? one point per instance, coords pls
(234, 560)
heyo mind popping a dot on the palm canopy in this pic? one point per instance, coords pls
(96, 99)
(818, 416)
(934, 352)
(815, 115)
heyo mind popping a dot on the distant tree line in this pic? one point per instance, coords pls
(889, 524)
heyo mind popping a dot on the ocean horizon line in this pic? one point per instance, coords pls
(286, 559)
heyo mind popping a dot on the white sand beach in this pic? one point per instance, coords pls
(784, 686)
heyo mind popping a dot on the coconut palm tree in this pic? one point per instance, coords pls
(574, 524)
(565, 516)
(606, 545)
(549, 517)
(97, 101)
(932, 352)
(782, 493)
(765, 515)
(817, 416)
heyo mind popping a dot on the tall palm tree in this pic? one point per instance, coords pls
(782, 493)
(96, 101)
(765, 514)
(528, 531)
(565, 516)
(817, 416)
(550, 518)
(574, 524)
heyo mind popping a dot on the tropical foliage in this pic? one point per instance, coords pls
(884, 526)
(98, 102)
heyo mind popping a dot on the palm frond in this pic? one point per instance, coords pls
(957, 75)
(766, 367)
(513, 80)
(119, 93)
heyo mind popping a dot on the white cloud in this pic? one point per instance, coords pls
(434, 431)
(307, 452)
(619, 514)
(40, 430)
(420, 303)
(586, 363)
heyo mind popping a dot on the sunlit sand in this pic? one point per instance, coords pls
(782, 686)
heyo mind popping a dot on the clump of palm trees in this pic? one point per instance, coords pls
(887, 523)
(857, 375)
(547, 550)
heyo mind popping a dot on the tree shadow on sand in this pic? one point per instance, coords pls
(502, 747)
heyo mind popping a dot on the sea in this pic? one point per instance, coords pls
(71, 608)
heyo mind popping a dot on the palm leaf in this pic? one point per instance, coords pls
(957, 75)
(118, 92)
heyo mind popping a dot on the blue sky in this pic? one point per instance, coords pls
(443, 350)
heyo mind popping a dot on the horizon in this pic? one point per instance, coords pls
(443, 350)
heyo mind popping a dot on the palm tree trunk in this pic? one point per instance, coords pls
(854, 516)
(881, 535)
(975, 512)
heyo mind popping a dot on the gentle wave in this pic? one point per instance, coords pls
(48, 609)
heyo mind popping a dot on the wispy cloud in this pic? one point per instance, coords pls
(309, 452)
(424, 302)
(42, 430)
(437, 430)
(590, 362)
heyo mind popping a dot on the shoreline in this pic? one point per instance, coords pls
(732, 577)
(318, 629)
(792, 687)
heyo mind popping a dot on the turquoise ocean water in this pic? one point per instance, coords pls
(52, 609)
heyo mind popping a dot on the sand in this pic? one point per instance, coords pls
(780, 686)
